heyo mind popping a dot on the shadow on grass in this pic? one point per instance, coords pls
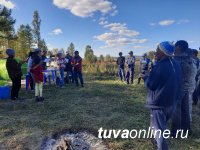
(103, 103)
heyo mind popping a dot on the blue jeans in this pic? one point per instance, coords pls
(121, 73)
(130, 74)
(62, 76)
(181, 115)
(158, 120)
(78, 74)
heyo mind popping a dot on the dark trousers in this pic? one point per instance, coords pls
(130, 74)
(139, 79)
(78, 74)
(121, 74)
(158, 121)
(16, 85)
(181, 115)
(31, 81)
(196, 94)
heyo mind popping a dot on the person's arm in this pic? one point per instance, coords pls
(152, 81)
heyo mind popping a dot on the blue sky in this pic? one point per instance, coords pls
(110, 26)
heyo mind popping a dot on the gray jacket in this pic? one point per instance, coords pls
(189, 72)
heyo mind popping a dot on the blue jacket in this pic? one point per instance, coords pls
(144, 64)
(163, 84)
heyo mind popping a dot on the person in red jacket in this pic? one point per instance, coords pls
(36, 69)
(77, 65)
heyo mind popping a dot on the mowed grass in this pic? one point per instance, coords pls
(103, 102)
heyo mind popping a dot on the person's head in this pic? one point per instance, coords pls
(181, 47)
(144, 55)
(67, 53)
(120, 54)
(164, 49)
(130, 53)
(76, 53)
(194, 53)
(37, 51)
(60, 54)
(10, 52)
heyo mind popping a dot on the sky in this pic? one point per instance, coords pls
(111, 26)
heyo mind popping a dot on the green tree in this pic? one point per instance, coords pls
(89, 55)
(7, 33)
(36, 28)
(29, 36)
(43, 45)
(22, 42)
(71, 49)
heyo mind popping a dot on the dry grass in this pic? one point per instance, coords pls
(104, 102)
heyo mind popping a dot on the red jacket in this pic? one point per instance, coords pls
(77, 63)
(37, 73)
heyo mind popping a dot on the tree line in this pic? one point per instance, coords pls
(26, 37)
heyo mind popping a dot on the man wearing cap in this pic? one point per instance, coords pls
(144, 67)
(121, 64)
(182, 115)
(131, 65)
(68, 68)
(163, 83)
(14, 72)
(77, 65)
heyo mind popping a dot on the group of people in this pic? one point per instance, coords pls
(171, 82)
(36, 63)
(128, 77)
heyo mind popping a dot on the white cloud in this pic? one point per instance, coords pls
(56, 31)
(169, 22)
(86, 8)
(103, 22)
(183, 21)
(137, 46)
(121, 29)
(119, 35)
(166, 22)
(114, 39)
(106, 36)
(152, 24)
(7, 3)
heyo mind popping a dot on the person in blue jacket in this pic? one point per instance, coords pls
(163, 83)
(121, 64)
(131, 66)
(144, 67)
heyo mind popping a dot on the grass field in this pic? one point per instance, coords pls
(103, 102)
